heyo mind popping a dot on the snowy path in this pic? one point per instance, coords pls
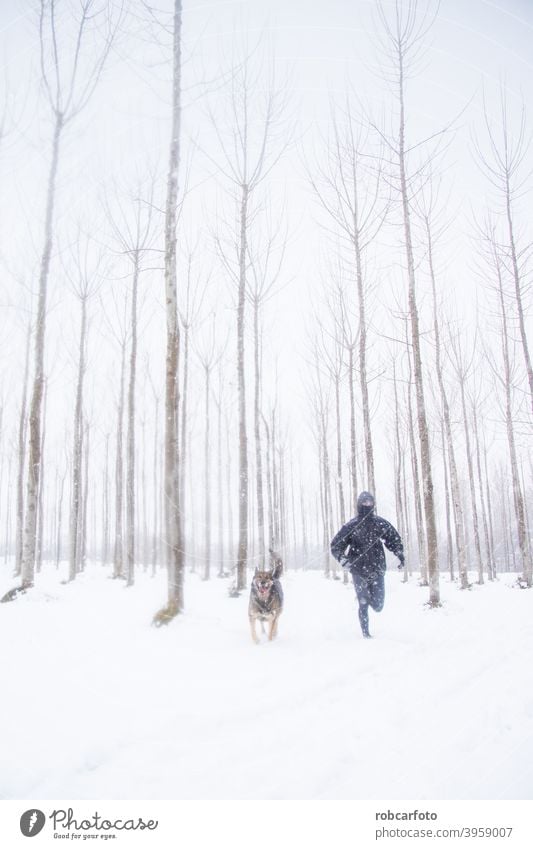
(99, 705)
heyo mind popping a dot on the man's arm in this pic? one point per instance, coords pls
(341, 541)
(392, 539)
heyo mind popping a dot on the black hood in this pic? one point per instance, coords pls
(365, 503)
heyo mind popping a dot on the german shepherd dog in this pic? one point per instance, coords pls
(266, 598)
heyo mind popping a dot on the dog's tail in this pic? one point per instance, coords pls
(276, 564)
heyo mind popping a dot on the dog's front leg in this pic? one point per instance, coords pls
(272, 629)
(255, 638)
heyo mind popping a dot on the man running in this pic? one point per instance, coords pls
(358, 547)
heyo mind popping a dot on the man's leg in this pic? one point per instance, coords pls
(376, 592)
(361, 589)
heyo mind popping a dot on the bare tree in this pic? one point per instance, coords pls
(105, 503)
(172, 506)
(349, 188)
(415, 472)
(462, 371)
(84, 281)
(426, 202)
(506, 381)
(401, 507)
(68, 86)
(475, 406)
(133, 231)
(404, 30)
(21, 457)
(503, 166)
(266, 261)
(209, 358)
(249, 152)
(347, 331)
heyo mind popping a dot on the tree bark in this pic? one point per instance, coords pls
(353, 442)
(77, 447)
(423, 431)
(130, 467)
(242, 549)
(105, 503)
(207, 479)
(21, 457)
(518, 287)
(454, 477)
(173, 518)
(257, 434)
(416, 484)
(34, 461)
(527, 576)
(85, 503)
(118, 555)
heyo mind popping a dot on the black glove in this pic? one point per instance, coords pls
(401, 564)
(345, 563)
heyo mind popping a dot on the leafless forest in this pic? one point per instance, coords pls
(222, 318)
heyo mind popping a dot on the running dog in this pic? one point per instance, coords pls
(266, 598)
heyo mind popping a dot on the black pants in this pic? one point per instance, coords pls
(370, 592)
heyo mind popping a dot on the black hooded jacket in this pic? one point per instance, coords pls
(358, 542)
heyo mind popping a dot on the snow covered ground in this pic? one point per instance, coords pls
(97, 704)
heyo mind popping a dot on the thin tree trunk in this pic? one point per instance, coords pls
(518, 291)
(399, 463)
(118, 555)
(527, 576)
(60, 521)
(475, 522)
(145, 546)
(207, 479)
(34, 462)
(85, 503)
(342, 509)
(257, 434)
(423, 432)
(275, 490)
(220, 482)
(184, 417)
(229, 493)
(407, 541)
(105, 503)
(416, 486)
(492, 557)
(363, 381)
(454, 477)
(173, 518)
(77, 447)
(242, 551)
(130, 465)
(156, 456)
(305, 543)
(21, 457)
(353, 443)
(481, 494)
(449, 541)
(271, 541)
(40, 501)
(7, 539)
